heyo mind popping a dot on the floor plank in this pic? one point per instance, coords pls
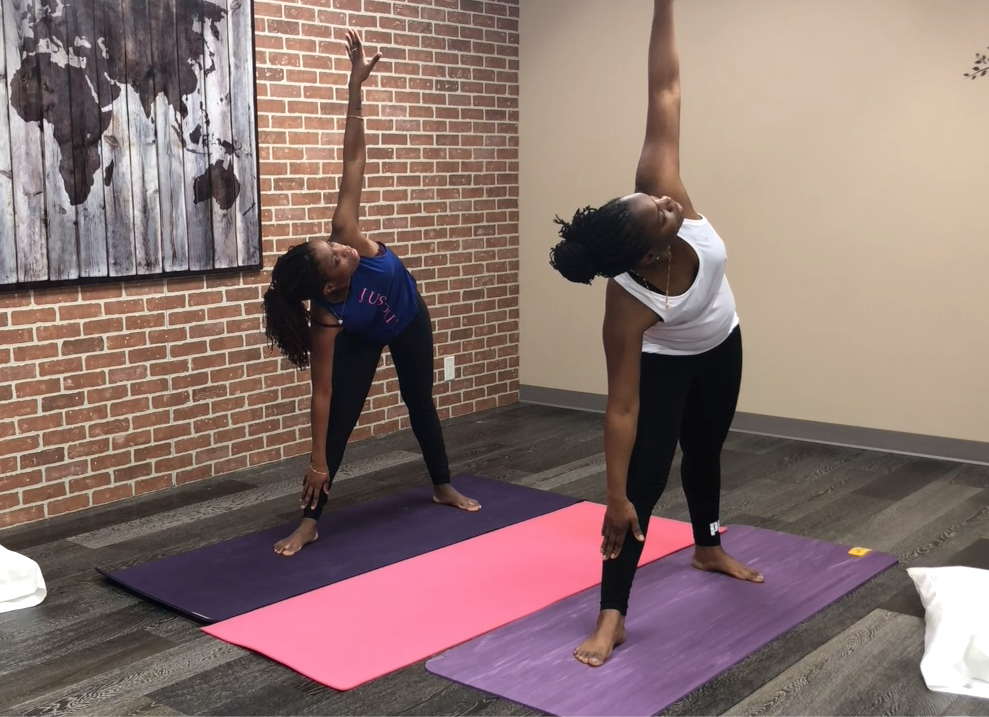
(878, 655)
(63, 671)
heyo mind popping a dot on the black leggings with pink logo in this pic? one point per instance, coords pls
(355, 362)
(688, 400)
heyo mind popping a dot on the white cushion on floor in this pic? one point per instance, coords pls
(956, 639)
(21, 582)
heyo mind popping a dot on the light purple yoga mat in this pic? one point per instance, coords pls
(685, 627)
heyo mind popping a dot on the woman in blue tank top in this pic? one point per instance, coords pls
(362, 298)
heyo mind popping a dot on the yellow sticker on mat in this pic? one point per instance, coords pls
(859, 552)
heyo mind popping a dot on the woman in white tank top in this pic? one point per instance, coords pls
(673, 346)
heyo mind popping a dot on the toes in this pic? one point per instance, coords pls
(743, 572)
(592, 660)
(588, 658)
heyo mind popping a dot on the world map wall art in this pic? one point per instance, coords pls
(128, 140)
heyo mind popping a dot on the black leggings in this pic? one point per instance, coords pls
(690, 399)
(355, 361)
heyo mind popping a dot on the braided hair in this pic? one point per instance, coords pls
(295, 279)
(607, 241)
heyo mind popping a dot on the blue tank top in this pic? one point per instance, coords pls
(382, 299)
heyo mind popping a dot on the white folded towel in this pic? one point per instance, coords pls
(21, 583)
(956, 638)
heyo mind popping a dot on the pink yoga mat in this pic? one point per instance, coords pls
(365, 627)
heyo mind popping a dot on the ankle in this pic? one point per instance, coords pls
(610, 618)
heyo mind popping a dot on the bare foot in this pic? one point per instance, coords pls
(448, 495)
(301, 537)
(609, 634)
(716, 560)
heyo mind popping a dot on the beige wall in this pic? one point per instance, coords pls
(841, 154)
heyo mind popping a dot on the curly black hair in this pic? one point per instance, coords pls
(295, 279)
(599, 242)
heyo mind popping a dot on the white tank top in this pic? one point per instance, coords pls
(703, 316)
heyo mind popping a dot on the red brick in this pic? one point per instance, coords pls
(172, 431)
(16, 336)
(167, 336)
(86, 415)
(125, 306)
(131, 472)
(65, 470)
(90, 379)
(130, 373)
(62, 401)
(58, 331)
(168, 368)
(90, 482)
(112, 460)
(129, 440)
(15, 299)
(105, 360)
(149, 485)
(153, 353)
(143, 388)
(194, 474)
(147, 420)
(126, 341)
(102, 327)
(129, 407)
(192, 348)
(37, 388)
(21, 515)
(43, 458)
(16, 481)
(166, 303)
(153, 451)
(170, 400)
(18, 373)
(102, 292)
(109, 495)
(37, 424)
(67, 505)
(43, 493)
(18, 445)
(88, 448)
(109, 427)
(105, 395)
(31, 316)
(139, 322)
(74, 312)
(173, 463)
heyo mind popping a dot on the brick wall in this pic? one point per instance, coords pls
(117, 390)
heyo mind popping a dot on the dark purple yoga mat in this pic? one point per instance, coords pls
(227, 579)
(685, 627)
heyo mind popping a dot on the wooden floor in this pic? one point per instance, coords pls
(91, 649)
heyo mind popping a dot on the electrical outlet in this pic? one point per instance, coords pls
(449, 368)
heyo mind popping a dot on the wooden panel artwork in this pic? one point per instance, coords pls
(128, 140)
